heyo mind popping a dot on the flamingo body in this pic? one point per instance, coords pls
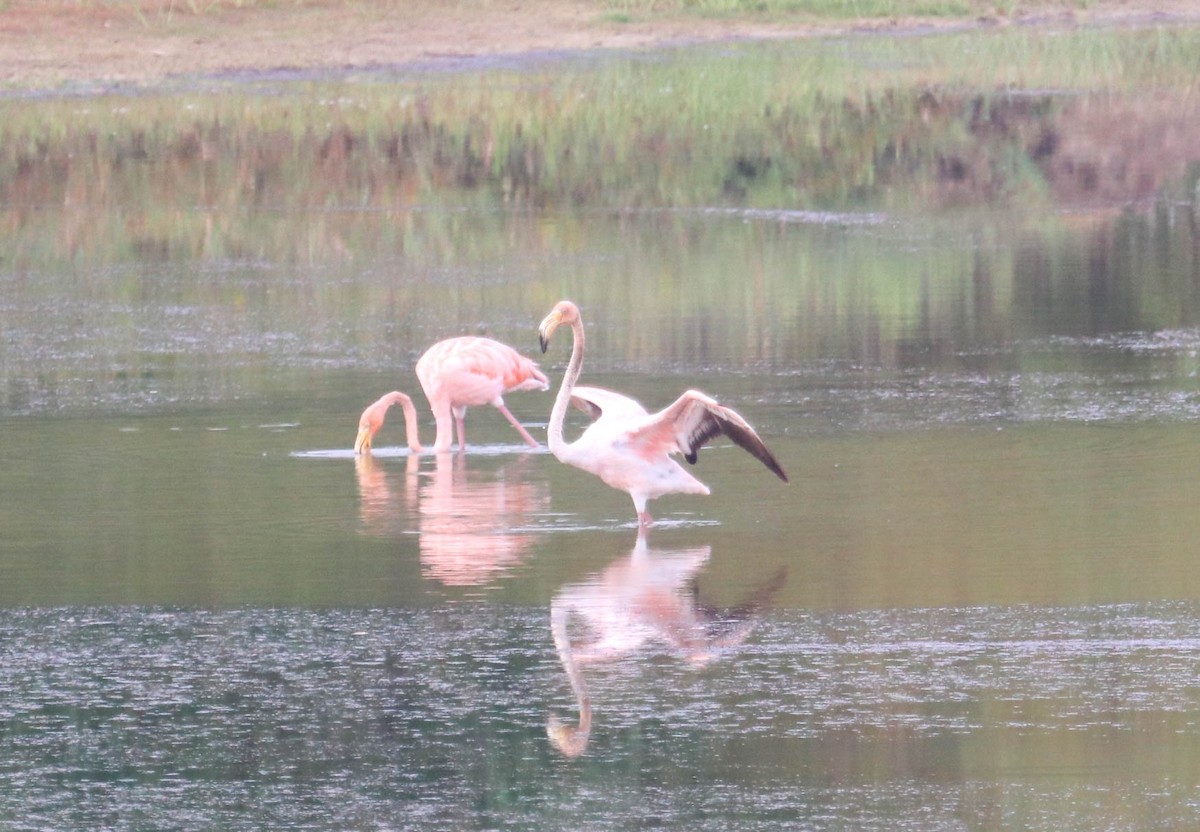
(625, 448)
(464, 372)
(631, 449)
(456, 374)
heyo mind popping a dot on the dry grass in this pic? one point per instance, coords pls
(639, 9)
(48, 43)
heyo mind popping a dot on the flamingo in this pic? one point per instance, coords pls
(372, 420)
(456, 374)
(646, 598)
(630, 449)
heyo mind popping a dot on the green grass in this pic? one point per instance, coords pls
(628, 9)
(822, 9)
(832, 8)
(845, 123)
(289, 173)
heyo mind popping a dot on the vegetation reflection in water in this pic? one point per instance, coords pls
(670, 293)
(981, 374)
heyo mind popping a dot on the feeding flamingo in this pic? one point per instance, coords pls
(372, 420)
(628, 448)
(456, 374)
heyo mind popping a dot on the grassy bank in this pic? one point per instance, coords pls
(320, 191)
(836, 9)
(861, 123)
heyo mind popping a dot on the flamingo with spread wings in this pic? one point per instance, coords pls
(456, 374)
(630, 449)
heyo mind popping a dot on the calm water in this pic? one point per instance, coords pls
(977, 605)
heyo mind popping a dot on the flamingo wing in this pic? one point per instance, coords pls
(471, 370)
(597, 402)
(695, 419)
(491, 358)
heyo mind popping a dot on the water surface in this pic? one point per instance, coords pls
(974, 607)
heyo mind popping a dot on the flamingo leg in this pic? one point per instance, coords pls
(529, 440)
(459, 420)
(645, 521)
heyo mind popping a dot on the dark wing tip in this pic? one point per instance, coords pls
(709, 428)
(746, 439)
(768, 459)
(716, 420)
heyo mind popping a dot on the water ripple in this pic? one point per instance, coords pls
(328, 719)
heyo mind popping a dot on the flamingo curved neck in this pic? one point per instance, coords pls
(558, 415)
(411, 427)
(572, 740)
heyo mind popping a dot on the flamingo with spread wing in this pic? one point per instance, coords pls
(630, 449)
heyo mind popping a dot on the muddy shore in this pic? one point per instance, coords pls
(46, 44)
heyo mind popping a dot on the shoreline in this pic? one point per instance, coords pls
(48, 47)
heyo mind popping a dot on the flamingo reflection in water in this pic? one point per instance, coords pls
(455, 374)
(644, 598)
(470, 523)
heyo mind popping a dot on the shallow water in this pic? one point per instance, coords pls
(959, 717)
(974, 607)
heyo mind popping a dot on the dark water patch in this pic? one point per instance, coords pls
(131, 716)
(1109, 379)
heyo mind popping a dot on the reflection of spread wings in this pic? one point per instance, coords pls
(637, 600)
(643, 598)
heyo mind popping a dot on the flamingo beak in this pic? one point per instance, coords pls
(547, 327)
(362, 444)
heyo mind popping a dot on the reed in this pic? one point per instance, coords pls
(830, 9)
(835, 9)
(324, 182)
(858, 122)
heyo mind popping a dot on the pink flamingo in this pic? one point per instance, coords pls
(628, 448)
(456, 374)
(372, 420)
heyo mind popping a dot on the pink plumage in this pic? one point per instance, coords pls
(456, 374)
